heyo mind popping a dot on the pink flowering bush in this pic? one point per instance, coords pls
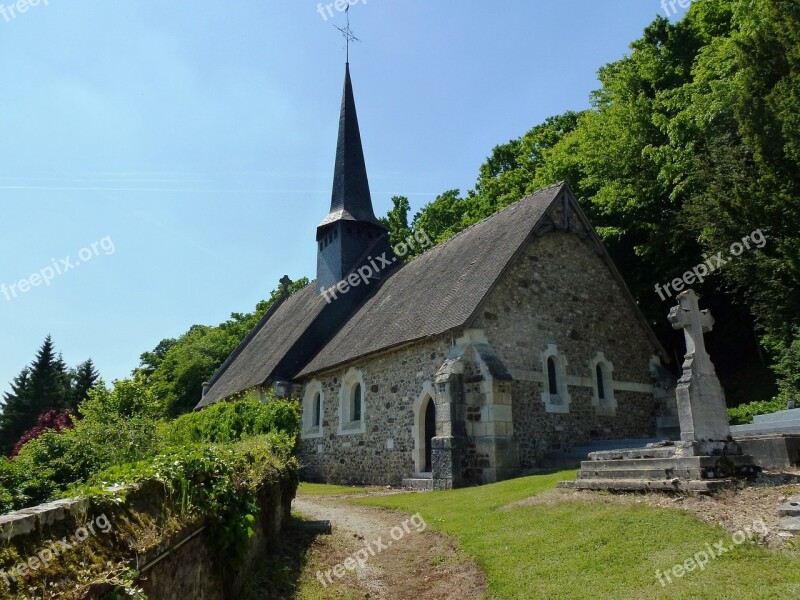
(52, 420)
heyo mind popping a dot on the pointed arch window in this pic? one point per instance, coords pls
(313, 411)
(352, 403)
(555, 393)
(603, 385)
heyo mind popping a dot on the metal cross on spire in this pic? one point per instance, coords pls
(348, 33)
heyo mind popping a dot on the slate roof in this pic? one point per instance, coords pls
(350, 199)
(255, 359)
(439, 290)
(434, 293)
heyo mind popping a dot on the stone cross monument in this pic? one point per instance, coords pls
(701, 402)
(706, 457)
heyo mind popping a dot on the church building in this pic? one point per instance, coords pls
(468, 364)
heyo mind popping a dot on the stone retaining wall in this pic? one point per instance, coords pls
(180, 566)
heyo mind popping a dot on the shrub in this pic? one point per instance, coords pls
(217, 482)
(787, 368)
(51, 420)
(744, 413)
(227, 422)
(121, 428)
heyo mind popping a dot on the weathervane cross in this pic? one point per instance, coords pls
(348, 33)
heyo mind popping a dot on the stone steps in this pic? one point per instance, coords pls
(422, 482)
(647, 474)
(676, 484)
(690, 467)
(663, 452)
(572, 457)
(650, 463)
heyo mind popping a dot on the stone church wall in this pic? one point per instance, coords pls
(383, 454)
(561, 292)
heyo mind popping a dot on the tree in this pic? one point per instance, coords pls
(15, 411)
(442, 218)
(397, 221)
(84, 379)
(175, 370)
(43, 386)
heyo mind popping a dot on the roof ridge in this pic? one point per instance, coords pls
(483, 220)
(254, 331)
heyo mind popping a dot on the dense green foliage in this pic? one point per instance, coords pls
(692, 143)
(227, 422)
(122, 426)
(744, 413)
(788, 370)
(47, 384)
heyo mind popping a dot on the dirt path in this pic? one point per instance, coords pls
(400, 557)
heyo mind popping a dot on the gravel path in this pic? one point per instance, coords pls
(419, 564)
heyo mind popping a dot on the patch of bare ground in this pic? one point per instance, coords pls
(422, 564)
(735, 509)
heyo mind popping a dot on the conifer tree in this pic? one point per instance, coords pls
(84, 378)
(43, 386)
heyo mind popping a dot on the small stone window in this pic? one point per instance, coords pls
(313, 411)
(355, 410)
(352, 403)
(552, 379)
(603, 385)
(555, 393)
(317, 409)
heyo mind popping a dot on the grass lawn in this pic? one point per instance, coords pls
(323, 489)
(574, 549)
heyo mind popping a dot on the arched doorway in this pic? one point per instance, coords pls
(429, 434)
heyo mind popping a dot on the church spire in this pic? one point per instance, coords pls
(351, 199)
(350, 233)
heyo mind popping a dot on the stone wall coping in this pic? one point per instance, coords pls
(37, 518)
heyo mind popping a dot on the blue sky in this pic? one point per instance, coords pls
(197, 140)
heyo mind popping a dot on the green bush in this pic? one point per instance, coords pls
(219, 482)
(744, 413)
(787, 367)
(227, 422)
(121, 428)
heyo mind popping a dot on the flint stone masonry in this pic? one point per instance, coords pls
(488, 380)
(388, 412)
(537, 303)
(707, 456)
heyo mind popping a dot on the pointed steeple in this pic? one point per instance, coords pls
(351, 199)
(350, 233)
